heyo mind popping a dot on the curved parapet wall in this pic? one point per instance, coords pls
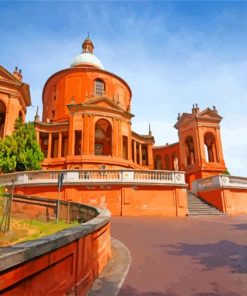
(65, 263)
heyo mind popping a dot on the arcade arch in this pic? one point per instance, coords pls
(157, 162)
(103, 138)
(210, 148)
(167, 162)
(2, 118)
(190, 150)
(20, 115)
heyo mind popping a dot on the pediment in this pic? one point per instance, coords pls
(183, 119)
(104, 102)
(205, 115)
(6, 76)
(209, 114)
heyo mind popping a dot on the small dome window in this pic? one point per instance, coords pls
(99, 87)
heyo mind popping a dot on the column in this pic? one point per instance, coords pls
(140, 153)
(150, 155)
(49, 145)
(129, 144)
(215, 156)
(59, 145)
(134, 151)
(71, 142)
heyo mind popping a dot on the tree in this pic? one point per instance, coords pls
(20, 151)
(8, 152)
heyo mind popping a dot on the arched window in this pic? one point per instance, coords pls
(190, 152)
(99, 87)
(210, 148)
(2, 118)
(157, 163)
(103, 138)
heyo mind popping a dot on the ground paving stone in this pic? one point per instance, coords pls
(194, 256)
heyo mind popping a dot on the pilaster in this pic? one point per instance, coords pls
(59, 153)
(71, 143)
(49, 145)
(86, 134)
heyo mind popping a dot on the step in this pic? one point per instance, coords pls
(203, 207)
(197, 206)
(210, 212)
(204, 214)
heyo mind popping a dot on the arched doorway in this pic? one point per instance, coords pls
(210, 148)
(103, 138)
(190, 152)
(157, 163)
(2, 118)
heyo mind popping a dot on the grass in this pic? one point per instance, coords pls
(25, 230)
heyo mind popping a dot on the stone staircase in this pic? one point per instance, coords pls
(197, 206)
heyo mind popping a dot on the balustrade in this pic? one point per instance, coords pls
(220, 181)
(94, 176)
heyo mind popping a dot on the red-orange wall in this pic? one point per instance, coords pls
(231, 201)
(169, 150)
(121, 200)
(78, 83)
(69, 270)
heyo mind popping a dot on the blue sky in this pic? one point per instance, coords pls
(172, 54)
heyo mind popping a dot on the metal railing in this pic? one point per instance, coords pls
(94, 176)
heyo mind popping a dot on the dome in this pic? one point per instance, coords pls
(87, 59)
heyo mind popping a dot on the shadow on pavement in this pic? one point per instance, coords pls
(217, 294)
(221, 254)
(240, 226)
(129, 291)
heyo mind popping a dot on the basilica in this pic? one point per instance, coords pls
(86, 123)
(94, 160)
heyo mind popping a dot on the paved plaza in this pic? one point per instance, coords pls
(197, 256)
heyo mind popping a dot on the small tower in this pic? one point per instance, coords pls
(200, 145)
(87, 46)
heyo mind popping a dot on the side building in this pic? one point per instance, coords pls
(199, 151)
(14, 99)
